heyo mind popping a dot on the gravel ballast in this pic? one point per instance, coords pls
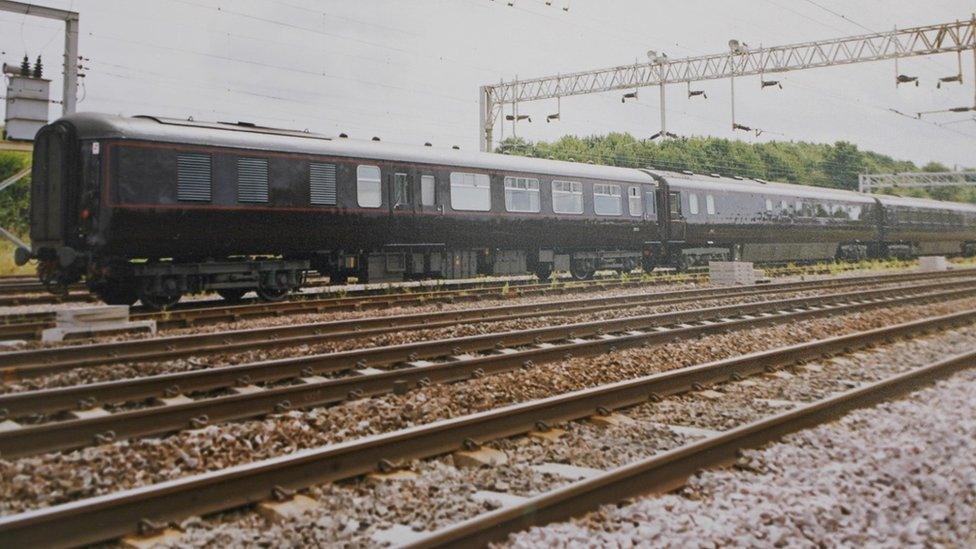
(114, 372)
(48, 479)
(900, 474)
(441, 495)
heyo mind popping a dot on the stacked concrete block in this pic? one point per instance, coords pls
(88, 321)
(731, 273)
(933, 263)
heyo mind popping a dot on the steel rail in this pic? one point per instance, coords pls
(30, 325)
(44, 299)
(172, 384)
(164, 348)
(75, 433)
(669, 470)
(106, 517)
(25, 286)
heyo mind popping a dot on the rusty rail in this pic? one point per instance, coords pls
(669, 470)
(607, 336)
(30, 325)
(165, 348)
(110, 516)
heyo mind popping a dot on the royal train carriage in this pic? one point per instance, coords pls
(152, 208)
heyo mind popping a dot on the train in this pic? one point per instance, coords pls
(149, 209)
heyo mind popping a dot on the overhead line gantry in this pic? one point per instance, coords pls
(740, 60)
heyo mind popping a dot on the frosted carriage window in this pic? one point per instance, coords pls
(567, 197)
(769, 205)
(470, 192)
(710, 204)
(368, 184)
(606, 199)
(522, 195)
(635, 203)
(193, 173)
(427, 193)
(693, 204)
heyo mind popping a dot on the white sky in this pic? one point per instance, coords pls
(409, 70)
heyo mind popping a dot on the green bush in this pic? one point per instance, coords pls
(15, 199)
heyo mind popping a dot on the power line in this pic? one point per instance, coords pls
(182, 84)
(228, 11)
(841, 15)
(297, 70)
(853, 22)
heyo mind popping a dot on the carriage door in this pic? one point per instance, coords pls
(650, 204)
(671, 219)
(677, 217)
(428, 194)
(402, 195)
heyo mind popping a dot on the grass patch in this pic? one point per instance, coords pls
(7, 265)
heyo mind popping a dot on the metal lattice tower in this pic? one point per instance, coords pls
(952, 37)
(922, 180)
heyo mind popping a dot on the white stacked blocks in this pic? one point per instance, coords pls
(88, 321)
(932, 263)
(731, 273)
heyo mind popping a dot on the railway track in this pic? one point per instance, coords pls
(666, 471)
(141, 509)
(29, 326)
(46, 360)
(408, 366)
(27, 298)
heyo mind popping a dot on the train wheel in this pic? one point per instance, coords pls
(581, 271)
(273, 294)
(232, 295)
(159, 302)
(543, 271)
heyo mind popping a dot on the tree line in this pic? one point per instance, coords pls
(817, 164)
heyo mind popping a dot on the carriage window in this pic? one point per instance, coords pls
(567, 197)
(368, 193)
(769, 205)
(401, 190)
(470, 191)
(784, 206)
(651, 200)
(322, 184)
(693, 204)
(522, 195)
(193, 173)
(675, 204)
(252, 180)
(635, 203)
(710, 204)
(428, 195)
(606, 199)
